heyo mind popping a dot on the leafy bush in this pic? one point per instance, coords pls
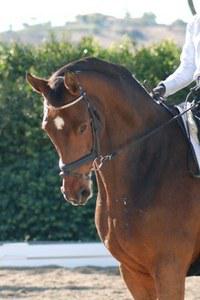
(31, 205)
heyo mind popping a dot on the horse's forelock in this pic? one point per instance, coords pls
(56, 96)
(56, 82)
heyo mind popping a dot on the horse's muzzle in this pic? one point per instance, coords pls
(80, 198)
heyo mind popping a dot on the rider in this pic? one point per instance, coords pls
(189, 68)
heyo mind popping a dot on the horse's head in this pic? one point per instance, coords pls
(67, 121)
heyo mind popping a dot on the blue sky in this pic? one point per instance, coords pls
(16, 12)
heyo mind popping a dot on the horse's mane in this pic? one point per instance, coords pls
(101, 66)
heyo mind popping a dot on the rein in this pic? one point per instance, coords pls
(133, 142)
(94, 155)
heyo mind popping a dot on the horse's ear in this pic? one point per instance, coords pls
(71, 83)
(38, 84)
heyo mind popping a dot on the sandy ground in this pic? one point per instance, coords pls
(72, 284)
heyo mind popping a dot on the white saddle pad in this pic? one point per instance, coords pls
(191, 128)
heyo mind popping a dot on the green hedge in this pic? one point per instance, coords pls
(31, 205)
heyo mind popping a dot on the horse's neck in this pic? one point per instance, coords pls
(128, 112)
(139, 168)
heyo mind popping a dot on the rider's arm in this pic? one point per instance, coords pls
(185, 72)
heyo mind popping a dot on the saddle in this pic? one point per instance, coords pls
(196, 118)
(191, 126)
(187, 115)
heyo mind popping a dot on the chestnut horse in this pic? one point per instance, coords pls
(148, 206)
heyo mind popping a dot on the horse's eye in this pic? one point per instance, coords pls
(82, 128)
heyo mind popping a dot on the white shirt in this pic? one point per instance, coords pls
(189, 68)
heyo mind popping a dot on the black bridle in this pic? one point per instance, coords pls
(95, 155)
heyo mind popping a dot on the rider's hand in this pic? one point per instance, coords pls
(159, 91)
(195, 91)
(198, 81)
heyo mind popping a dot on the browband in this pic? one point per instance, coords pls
(66, 105)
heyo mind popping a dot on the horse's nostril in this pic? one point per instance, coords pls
(84, 193)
